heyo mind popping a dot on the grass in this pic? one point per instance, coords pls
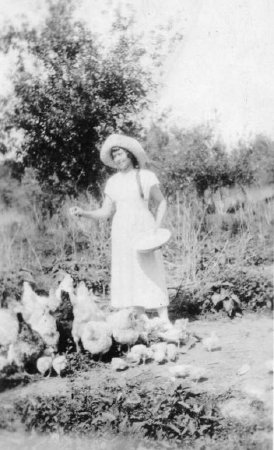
(201, 245)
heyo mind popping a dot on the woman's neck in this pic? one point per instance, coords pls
(127, 169)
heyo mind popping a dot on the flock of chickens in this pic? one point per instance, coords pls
(28, 330)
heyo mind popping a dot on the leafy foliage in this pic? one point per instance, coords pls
(235, 290)
(189, 158)
(73, 95)
(154, 412)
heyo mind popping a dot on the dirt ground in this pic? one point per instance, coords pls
(239, 365)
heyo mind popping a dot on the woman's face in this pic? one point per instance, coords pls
(121, 159)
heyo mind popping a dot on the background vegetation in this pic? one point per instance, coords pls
(70, 92)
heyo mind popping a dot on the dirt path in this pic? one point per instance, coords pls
(246, 343)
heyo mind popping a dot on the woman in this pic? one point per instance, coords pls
(137, 279)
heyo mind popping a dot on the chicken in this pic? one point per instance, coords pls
(66, 285)
(96, 338)
(27, 348)
(31, 302)
(9, 327)
(212, 343)
(122, 319)
(171, 352)
(45, 325)
(139, 353)
(180, 371)
(157, 325)
(118, 364)
(59, 363)
(159, 352)
(181, 324)
(44, 365)
(126, 337)
(187, 370)
(173, 335)
(36, 312)
(197, 373)
(84, 311)
(126, 327)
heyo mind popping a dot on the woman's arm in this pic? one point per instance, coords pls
(157, 197)
(101, 213)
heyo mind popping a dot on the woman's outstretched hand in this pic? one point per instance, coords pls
(76, 211)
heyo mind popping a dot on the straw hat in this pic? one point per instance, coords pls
(125, 142)
(152, 241)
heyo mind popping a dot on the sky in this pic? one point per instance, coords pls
(220, 74)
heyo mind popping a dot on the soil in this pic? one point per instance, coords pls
(238, 367)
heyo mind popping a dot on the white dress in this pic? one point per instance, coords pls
(137, 279)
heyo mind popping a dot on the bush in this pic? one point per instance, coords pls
(154, 412)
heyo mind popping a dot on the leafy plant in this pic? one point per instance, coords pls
(74, 95)
(154, 412)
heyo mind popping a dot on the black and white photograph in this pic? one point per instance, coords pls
(136, 224)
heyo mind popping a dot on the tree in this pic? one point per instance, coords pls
(70, 94)
(190, 159)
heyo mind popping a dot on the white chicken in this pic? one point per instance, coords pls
(36, 312)
(31, 302)
(175, 335)
(45, 324)
(157, 324)
(120, 319)
(197, 373)
(180, 370)
(66, 285)
(187, 370)
(96, 338)
(212, 343)
(118, 364)
(125, 327)
(44, 365)
(9, 327)
(181, 324)
(59, 363)
(159, 352)
(139, 353)
(171, 352)
(84, 311)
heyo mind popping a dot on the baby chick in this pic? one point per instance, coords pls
(173, 335)
(212, 343)
(180, 371)
(181, 324)
(139, 353)
(59, 364)
(197, 373)
(44, 365)
(171, 352)
(118, 364)
(159, 352)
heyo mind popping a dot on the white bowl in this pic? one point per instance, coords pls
(152, 241)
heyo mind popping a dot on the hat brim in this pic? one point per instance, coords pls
(152, 241)
(125, 142)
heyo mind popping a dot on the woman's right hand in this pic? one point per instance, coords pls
(76, 211)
